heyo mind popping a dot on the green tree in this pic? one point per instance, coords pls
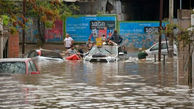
(45, 11)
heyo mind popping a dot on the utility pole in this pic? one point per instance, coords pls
(171, 36)
(160, 30)
(1, 45)
(23, 29)
(180, 4)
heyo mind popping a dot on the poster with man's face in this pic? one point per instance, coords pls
(103, 27)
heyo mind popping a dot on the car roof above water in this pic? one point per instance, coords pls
(15, 59)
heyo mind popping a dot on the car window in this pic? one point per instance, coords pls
(30, 54)
(33, 54)
(154, 48)
(50, 54)
(13, 67)
(106, 50)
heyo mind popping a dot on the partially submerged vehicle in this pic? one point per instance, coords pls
(106, 53)
(43, 54)
(18, 66)
(153, 50)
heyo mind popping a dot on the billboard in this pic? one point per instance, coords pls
(140, 34)
(84, 27)
(54, 34)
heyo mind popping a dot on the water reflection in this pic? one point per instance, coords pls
(78, 84)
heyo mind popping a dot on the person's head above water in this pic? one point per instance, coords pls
(67, 35)
(115, 31)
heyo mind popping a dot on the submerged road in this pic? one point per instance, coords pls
(84, 85)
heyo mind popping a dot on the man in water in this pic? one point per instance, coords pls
(116, 38)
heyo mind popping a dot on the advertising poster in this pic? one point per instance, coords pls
(84, 27)
(140, 34)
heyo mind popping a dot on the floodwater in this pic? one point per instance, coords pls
(83, 85)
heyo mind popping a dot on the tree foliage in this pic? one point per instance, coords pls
(47, 10)
(184, 35)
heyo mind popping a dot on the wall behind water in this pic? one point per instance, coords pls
(184, 21)
(31, 31)
(54, 34)
(136, 34)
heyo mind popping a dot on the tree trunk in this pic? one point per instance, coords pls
(171, 49)
(171, 12)
(190, 67)
(41, 29)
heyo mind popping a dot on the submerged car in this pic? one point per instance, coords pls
(18, 66)
(153, 50)
(105, 53)
(43, 54)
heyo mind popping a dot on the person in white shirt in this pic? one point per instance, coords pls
(68, 41)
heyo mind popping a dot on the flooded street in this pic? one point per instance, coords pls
(84, 85)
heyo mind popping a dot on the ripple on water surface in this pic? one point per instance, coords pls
(74, 84)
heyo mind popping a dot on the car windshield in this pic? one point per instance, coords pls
(105, 50)
(156, 47)
(13, 67)
(50, 54)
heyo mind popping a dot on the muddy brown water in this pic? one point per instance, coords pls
(84, 85)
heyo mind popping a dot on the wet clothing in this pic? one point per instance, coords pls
(70, 51)
(116, 38)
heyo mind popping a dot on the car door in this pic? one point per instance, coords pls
(164, 50)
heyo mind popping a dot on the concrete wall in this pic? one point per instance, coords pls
(100, 6)
(193, 67)
(184, 21)
(192, 26)
(3, 41)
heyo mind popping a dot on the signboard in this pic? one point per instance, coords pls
(99, 25)
(84, 27)
(140, 34)
(151, 29)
